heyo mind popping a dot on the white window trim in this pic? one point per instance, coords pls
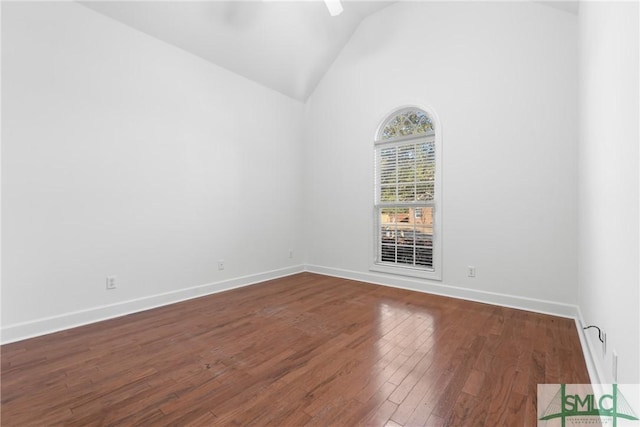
(435, 273)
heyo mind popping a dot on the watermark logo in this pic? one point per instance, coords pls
(586, 405)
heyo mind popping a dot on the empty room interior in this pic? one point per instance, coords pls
(382, 213)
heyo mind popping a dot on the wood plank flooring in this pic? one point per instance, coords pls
(305, 350)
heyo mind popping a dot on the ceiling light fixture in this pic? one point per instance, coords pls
(334, 6)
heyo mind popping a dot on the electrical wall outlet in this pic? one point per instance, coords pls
(221, 264)
(604, 343)
(614, 366)
(291, 253)
(111, 282)
(471, 271)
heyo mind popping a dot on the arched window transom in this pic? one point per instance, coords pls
(409, 122)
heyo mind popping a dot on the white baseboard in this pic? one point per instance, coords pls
(21, 331)
(505, 300)
(593, 361)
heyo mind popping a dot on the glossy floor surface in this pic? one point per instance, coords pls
(299, 351)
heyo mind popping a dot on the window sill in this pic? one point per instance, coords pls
(406, 271)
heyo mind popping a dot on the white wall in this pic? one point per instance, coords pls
(502, 78)
(608, 182)
(125, 156)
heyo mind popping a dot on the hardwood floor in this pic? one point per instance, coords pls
(306, 350)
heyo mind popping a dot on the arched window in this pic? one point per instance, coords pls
(407, 188)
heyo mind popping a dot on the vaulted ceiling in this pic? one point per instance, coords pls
(284, 45)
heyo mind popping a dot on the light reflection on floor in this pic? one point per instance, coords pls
(405, 340)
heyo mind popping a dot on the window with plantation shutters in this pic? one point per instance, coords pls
(407, 199)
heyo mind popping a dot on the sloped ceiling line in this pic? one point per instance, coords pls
(286, 46)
